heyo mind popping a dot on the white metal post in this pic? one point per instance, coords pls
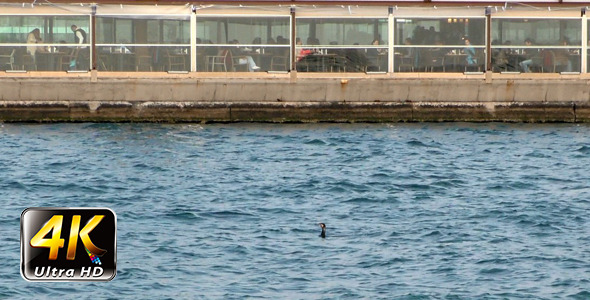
(390, 54)
(584, 52)
(193, 39)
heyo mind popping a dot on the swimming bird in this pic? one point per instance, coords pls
(323, 234)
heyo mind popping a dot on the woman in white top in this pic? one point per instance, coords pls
(34, 37)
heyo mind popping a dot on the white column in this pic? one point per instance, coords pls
(584, 52)
(193, 40)
(390, 38)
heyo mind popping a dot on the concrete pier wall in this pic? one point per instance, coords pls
(286, 98)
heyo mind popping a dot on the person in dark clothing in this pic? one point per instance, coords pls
(79, 35)
(80, 38)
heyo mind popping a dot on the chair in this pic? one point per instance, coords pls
(144, 63)
(83, 59)
(338, 64)
(537, 64)
(7, 59)
(66, 59)
(103, 62)
(278, 63)
(477, 63)
(222, 61)
(237, 66)
(406, 63)
(28, 62)
(302, 65)
(175, 62)
(548, 61)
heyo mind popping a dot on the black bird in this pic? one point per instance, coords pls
(323, 234)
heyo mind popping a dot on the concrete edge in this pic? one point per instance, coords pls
(288, 112)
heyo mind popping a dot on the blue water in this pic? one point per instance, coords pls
(414, 211)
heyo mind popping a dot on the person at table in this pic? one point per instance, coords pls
(358, 61)
(437, 55)
(270, 50)
(34, 37)
(562, 56)
(62, 49)
(302, 51)
(528, 54)
(470, 52)
(501, 57)
(314, 42)
(409, 54)
(373, 54)
(242, 58)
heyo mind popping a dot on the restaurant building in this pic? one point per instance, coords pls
(280, 36)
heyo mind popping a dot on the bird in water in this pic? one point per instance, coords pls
(323, 234)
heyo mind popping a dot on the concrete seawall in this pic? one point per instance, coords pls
(286, 98)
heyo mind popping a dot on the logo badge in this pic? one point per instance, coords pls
(68, 244)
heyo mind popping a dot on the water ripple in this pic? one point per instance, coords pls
(413, 211)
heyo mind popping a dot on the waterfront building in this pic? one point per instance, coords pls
(373, 37)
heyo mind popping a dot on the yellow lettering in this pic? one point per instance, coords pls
(86, 240)
(73, 238)
(55, 242)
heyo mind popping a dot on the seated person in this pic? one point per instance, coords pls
(374, 55)
(302, 52)
(243, 59)
(528, 55)
(562, 57)
(358, 62)
(470, 52)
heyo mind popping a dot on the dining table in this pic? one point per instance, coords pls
(456, 61)
(122, 61)
(317, 62)
(48, 61)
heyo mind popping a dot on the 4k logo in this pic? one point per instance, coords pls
(42, 239)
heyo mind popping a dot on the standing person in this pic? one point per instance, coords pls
(79, 38)
(79, 35)
(34, 37)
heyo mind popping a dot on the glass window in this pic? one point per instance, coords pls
(143, 43)
(341, 44)
(536, 45)
(245, 30)
(547, 32)
(54, 41)
(445, 31)
(243, 44)
(443, 44)
(588, 50)
(342, 31)
(147, 29)
(53, 29)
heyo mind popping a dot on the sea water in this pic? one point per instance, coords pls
(231, 211)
